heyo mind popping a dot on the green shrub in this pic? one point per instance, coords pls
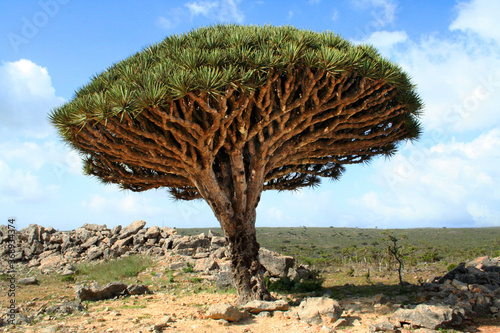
(68, 278)
(450, 267)
(286, 284)
(188, 269)
(116, 269)
(350, 272)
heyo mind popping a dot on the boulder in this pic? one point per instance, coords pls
(275, 263)
(52, 262)
(132, 229)
(224, 280)
(138, 289)
(94, 253)
(119, 244)
(94, 227)
(205, 265)
(28, 280)
(190, 242)
(96, 293)
(65, 308)
(83, 234)
(314, 309)
(260, 306)
(224, 311)
(116, 230)
(152, 232)
(90, 241)
(167, 232)
(427, 316)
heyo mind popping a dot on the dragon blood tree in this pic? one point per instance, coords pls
(223, 113)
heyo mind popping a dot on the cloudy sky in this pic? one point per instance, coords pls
(50, 48)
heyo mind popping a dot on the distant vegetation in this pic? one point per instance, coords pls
(325, 247)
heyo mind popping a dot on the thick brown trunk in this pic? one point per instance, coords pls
(248, 273)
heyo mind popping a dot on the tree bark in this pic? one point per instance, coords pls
(248, 273)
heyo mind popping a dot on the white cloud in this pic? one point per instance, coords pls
(121, 203)
(385, 10)
(26, 97)
(19, 185)
(219, 10)
(385, 41)
(446, 182)
(166, 23)
(33, 171)
(36, 155)
(480, 17)
(335, 15)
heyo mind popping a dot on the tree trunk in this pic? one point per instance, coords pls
(248, 273)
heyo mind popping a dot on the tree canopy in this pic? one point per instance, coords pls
(299, 103)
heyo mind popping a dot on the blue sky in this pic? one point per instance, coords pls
(50, 48)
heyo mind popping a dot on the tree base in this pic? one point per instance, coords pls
(248, 273)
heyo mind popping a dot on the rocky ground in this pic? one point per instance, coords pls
(467, 299)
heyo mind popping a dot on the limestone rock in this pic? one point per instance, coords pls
(65, 308)
(426, 316)
(312, 310)
(275, 263)
(260, 306)
(152, 232)
(96, 293)
(224, 280)
(132, 228)
(138, 289)
(224, 311)
(28, 280)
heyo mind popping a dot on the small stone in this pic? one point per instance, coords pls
(380, 299)
(264, 314)
(260, 306)
(326, 329)
(340, 322)
(28, 280)
(224, 311)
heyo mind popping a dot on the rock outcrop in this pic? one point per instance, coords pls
(50, 250)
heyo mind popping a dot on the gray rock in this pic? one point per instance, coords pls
(275, 263)
(27, 281)
(96, 293)
(122, 243)
(132, 228)
(383, 325)
(205, 265)
(312, 309)
(380, 299)
(224, 311)
(83, 234)
(190, 242)
(427, 316)
(90, 241)
(224, 280)
(94, 227)
(153, 232)
(65, 308)
(94, 253)
(177, 265)
(116, 230)
(260, 306)
(167, 232)
(264, 314)
(138, 289)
